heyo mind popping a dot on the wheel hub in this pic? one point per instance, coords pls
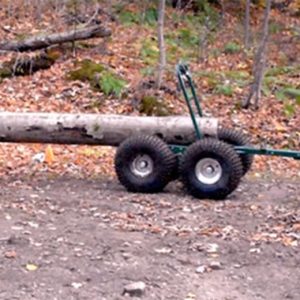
(142, 165)
(208, 171)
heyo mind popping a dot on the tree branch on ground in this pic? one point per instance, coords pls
(44, 41)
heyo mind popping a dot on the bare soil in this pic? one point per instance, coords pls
(70, 238)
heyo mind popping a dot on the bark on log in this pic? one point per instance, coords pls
(93, 129)
(44, 41)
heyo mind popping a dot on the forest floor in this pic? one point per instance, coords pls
(131, 52)
(70, 231)
(68, 238)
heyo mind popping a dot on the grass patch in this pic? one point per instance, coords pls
(149, 51)
(111, 84)
(237, 75)
(150, 16)
(224, 89)
(275, 27)
(147, 17)
(127, 17)
(192, 30)
(290, 92)
(187, 37)
(232, 48)
(218, 81)
(284, 91)
(148, 71)
(283, 70)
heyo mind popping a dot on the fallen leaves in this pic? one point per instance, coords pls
(49, 155)
(296, 227)
(281, 228)
(11, 254)
(289, 241)
(48, 91)
(31, 267)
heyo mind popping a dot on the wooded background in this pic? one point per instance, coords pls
(119, 57)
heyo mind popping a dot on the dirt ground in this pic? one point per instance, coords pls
(70, 238)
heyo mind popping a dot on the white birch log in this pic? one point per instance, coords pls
(94, 129)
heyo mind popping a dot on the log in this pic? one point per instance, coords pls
(94, 129)
(44, 41)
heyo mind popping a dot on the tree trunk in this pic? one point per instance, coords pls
(93, 129)
(260, 61)
(161, 43)
(44, 41)
(247, 24)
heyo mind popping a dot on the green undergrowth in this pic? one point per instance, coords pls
(149, 54)
(149, 51)
(225, 82)
(276, 81)
(146, 17)
(183, 39)
(232, 48)
(100, 77)
(152, 106)
(276, 27)
(224, 89)
(283, 70)
(291, 100)
(191, 33)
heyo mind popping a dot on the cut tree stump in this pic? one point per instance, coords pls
(94, 129)
(44, 41)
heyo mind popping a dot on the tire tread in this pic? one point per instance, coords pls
(160, 149)
(210, 145)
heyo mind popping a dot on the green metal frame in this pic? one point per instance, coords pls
(188, 89)
(193, 103)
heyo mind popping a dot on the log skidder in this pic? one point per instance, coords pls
(210, 164)
(208, 167)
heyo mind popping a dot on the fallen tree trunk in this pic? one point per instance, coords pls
(93, 129)
(44, 41)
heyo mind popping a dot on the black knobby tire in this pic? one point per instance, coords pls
(237, 138)
(223, 157)
(162, 159)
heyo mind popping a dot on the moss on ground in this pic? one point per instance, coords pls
(27, 65)
(152, 106)
(99, 77)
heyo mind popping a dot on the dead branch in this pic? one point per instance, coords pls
(44, 41)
